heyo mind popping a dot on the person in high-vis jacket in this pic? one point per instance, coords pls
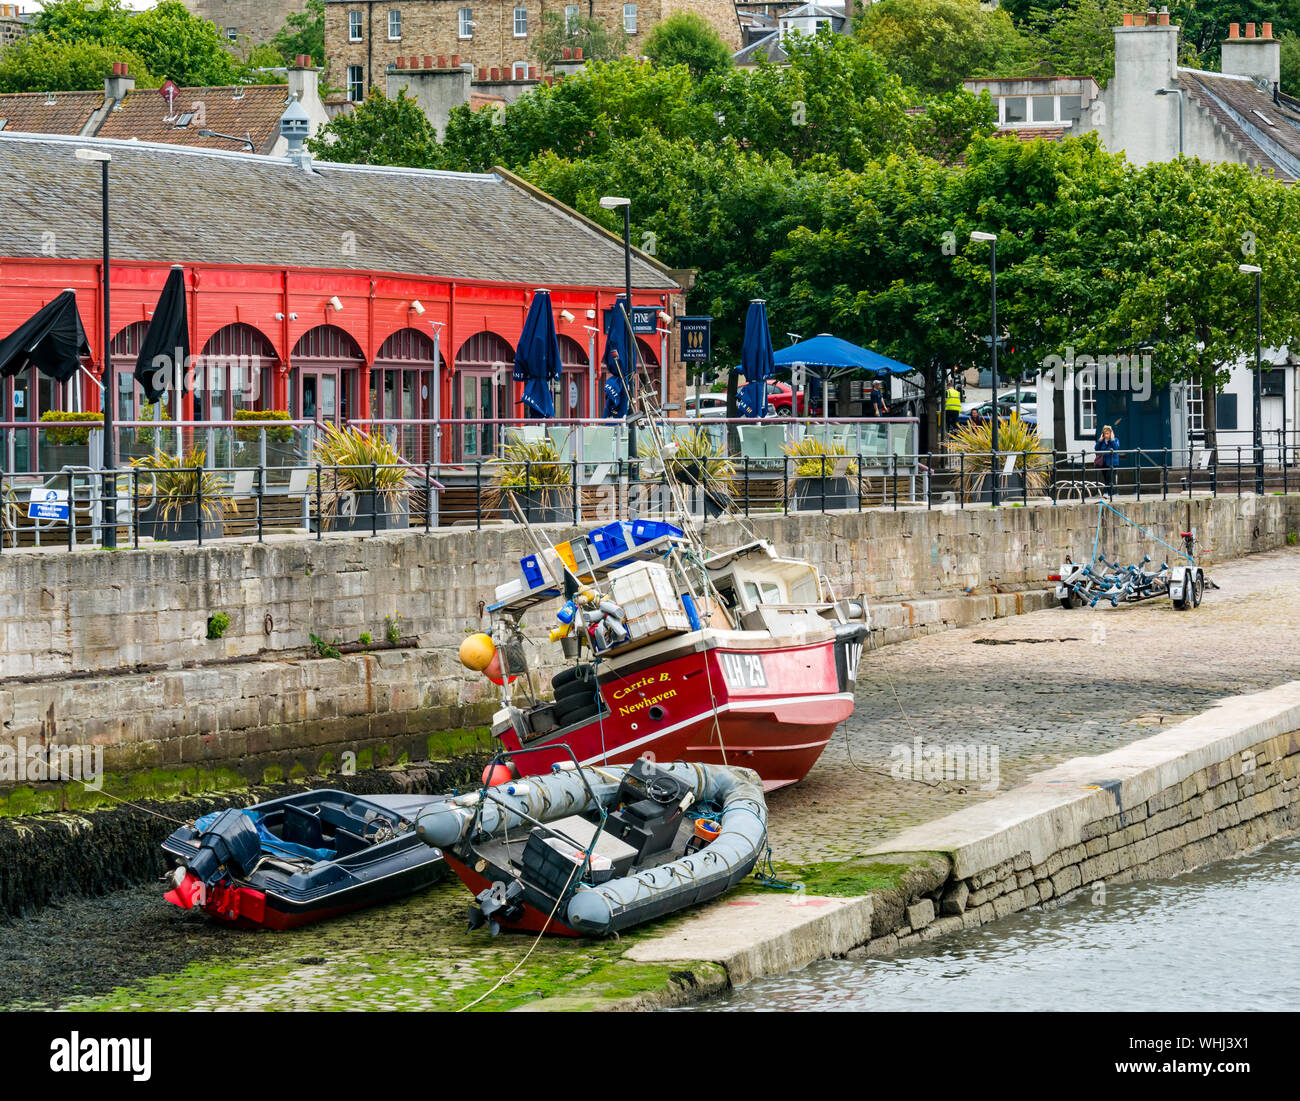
(951, 408)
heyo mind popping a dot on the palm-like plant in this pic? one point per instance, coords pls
(173, 483)
(1015, 437)
(529, 466)
(817, 458)
(355, 462)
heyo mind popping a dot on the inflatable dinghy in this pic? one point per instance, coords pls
(301, 858)
(592, 851)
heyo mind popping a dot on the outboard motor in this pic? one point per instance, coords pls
(229, 847)
(499, 900)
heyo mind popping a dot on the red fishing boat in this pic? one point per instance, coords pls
(735, 658)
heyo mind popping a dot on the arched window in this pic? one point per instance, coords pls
(234, 371)
(481, 390)
(403, 383)
(325, 365)
(573, 399)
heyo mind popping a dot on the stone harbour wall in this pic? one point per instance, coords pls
(1212, 787)
(110, 649)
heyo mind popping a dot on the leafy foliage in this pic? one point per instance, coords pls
(303, 33)
(933, 44)
(380, 131)
(40, 63)
(597, 41)
(356, 462)
(975, 441)
(817, 457)
(687, 39)
(65, 436)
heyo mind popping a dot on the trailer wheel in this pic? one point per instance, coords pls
(1198, 589)
(1070, 600)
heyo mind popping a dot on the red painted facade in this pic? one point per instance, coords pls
(375, 306)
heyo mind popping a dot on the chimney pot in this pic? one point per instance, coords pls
(428, 61)
(577, 53)
(413, 61)
(401, 63)
(532, 72)
(482, 74)
(1234, 29)
(566, 54)
(304, 61)
(1162, 19)
(1128, 19)
(496, 74)
(442, 61)
(455, 61)
(1250, 30)
(1267, 32)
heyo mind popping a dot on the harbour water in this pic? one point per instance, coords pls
(1220, 938)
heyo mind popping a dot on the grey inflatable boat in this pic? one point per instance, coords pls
(592, 851)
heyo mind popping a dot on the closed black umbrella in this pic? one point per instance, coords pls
(52, 340)
(165, 349)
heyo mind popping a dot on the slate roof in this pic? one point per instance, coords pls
(32, 112)
(176, 204)
(1265, 130)
(236, 110)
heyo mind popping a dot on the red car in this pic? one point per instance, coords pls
(780, 397)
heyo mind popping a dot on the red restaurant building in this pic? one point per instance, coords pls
(355, 290)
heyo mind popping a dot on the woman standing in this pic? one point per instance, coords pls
(1108, 456)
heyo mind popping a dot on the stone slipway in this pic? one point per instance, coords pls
(1216, 785)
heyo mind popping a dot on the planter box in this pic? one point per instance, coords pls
(355, 511)
(816, 494)
(1011, 487)
(181, 528)
(546, 505)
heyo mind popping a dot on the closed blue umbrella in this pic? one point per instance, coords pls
(617, 360)
(756, 362)
(537, 359)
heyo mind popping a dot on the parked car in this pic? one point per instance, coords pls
(781, 399)
(705, 406)
(1028, 413)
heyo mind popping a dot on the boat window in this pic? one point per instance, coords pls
(751, 592)
(772, 593)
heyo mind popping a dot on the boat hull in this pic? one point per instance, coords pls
(772, 709)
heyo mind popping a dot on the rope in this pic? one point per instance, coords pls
(126, 802)
(538, 940)
(766, 875)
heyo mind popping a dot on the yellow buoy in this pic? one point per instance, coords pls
(477, 652)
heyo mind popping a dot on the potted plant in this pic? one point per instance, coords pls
(178, 491)
(823, 474)
(701, 460)
(66, 441)
(974, 445)
(363, 481)
(537, 476)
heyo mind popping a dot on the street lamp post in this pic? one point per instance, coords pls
(992, 239)
(1179, 93)
(108, 485)
(615, 202)
(1258, 435)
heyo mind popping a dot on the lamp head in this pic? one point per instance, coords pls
(1249, 269)
(613, 202)
(979, 235)
(417, 307)
(84, 154)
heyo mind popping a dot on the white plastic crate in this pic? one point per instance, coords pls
(645, 592)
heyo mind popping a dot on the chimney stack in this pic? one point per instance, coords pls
(304, 86)
(1256, 56)
(117, 86)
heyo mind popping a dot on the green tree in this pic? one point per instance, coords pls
(177, 44)
(1076, 38)
(933, 45)
(380, 131)
(39, 63)
(303, 33)
(1290, 75)
(687, 39)
(597, 41)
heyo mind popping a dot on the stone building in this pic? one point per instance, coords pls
(246, 22)
(14, 24)
(365, 40)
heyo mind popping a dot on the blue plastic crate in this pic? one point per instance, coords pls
(647, 531)
(609, 541)
(532, 571)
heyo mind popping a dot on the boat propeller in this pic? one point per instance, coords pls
(499, 899)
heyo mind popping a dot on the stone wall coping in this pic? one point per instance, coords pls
(1049, 811)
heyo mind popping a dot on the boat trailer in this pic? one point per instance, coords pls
(1103, 580)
